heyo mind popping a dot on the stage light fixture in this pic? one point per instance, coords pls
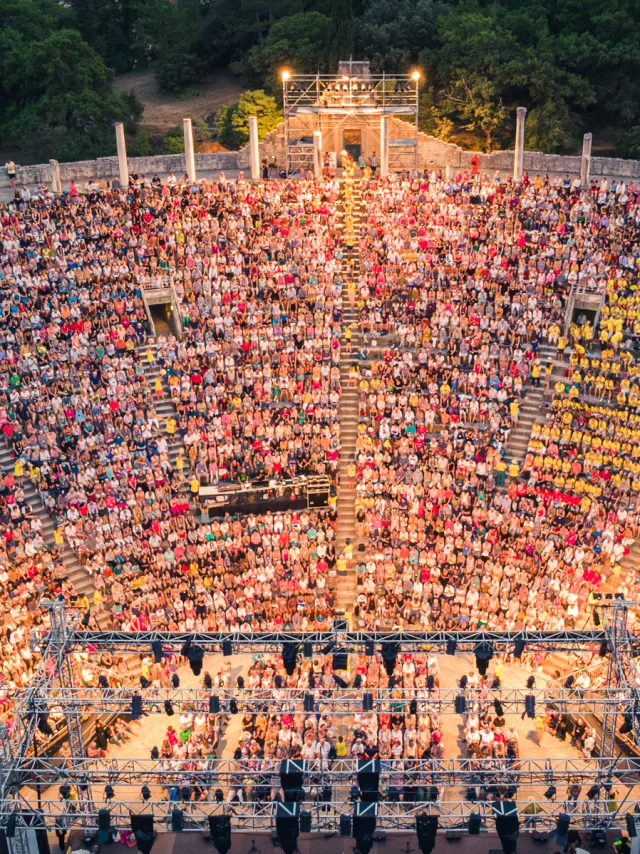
(168, 708)
(109, 793)
(145, 791)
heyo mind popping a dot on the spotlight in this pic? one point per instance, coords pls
(220, 829)
(432, 794)
(426, 830)
(550, 793)
(219, 796)
(596, 617)
(497, 705)
(569, 682)
(511, 792)
(145, 791)
(227, 647)
(484, 654)
(627, 725)
(65, 792)
(604, 648)
(168, 708)
(233, 706)
(471, 795)
(354, 794)
(413, 707)
(389, 656)
(175, 681)
(531, 682)
(593, 792)
(109, 794)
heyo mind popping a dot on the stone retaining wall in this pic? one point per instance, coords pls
(432, 152)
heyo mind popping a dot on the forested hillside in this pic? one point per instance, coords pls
(575, 64)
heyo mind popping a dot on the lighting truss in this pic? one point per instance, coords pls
(340, 773)
(259, 816)
(336, 701)
(23, 771)
(351, 642)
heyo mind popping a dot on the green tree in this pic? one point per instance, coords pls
(340, 37)
(295, 42)
(173, 142)
(232, 123)
(477, 103)
(111, 28)
(170, 33)
(55, 90)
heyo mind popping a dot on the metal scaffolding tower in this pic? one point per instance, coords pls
(346, 108)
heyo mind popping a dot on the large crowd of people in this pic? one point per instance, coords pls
(460, 282)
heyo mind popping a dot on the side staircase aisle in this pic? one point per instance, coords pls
(350, 210)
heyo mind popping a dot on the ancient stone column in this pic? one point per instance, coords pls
(254, 148)
(585, 166)
(56, 183)
(518, 155)
(189, 151)
(317, 154)
(384, 146)
(123, 167)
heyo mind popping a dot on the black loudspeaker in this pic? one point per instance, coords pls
(631, 825)
(508, 827)
(345, 825)
(474, 824)
(562, 828)
(291, 776)
(305, 821)
(367, 702)
(364, 825)
(452, 645)
(104, 820)
(288, 826)
(340, 661)
(220, 830)
(214, 704)
(142, 826)
(530, 706)
(426, 829)
(460, 704)
(177, 820)
(368, 779)
(4, 846)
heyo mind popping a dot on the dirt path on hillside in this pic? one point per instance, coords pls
(162, 110)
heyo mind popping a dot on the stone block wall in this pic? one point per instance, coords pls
(432, 153)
